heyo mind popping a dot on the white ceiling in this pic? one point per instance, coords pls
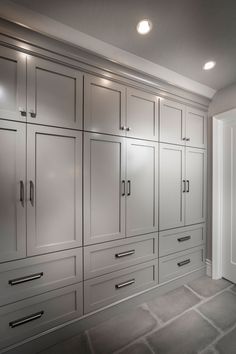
(186, 33)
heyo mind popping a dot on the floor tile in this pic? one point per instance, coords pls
(205, 286)
(209, 351)
(137, 348)
(188, 334)
(227, 344)
(121, 330)
(75, 345)
(221, 310)
(173, 303)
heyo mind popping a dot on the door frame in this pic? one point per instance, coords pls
(217, 189)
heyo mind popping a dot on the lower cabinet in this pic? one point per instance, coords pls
(39, 313)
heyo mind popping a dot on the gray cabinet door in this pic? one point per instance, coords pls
(196, 186)
(141, 187)
(104, 188)
(104, 106)
(172, 122)
(172, 162)
(12, 188)
(196, 128)
(54, 173)
(13, 84)
(54, 94)
(142, 115)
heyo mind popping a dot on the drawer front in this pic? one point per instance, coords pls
(32, 276)
(178, 264)
(29, 317)
(112, 256)
(104, 290)
(177, 240)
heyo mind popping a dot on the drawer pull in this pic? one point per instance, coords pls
(124, 254)
(185, 238)
(25, 279)
(127, 283)
(187, 261)
(26, 319)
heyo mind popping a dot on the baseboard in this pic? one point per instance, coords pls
(209, 268)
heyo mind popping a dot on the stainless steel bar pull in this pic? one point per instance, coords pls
(26, 319)
(129, 187)
(185, 238)
(187, 191)
(22, 111)
(187, 261)
(124, 254)
(127, 283)
(123, 188)
(32, 193)
(184, 186)
(25, 279)
(22, 193)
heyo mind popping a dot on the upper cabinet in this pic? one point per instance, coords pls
(196, 128)
(142, 115)
(55, 94)
(12, 84)
(104, 106)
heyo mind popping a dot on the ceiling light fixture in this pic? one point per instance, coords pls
(209, 65)
(144, 26)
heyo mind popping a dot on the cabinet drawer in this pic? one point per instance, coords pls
(112, 256)
(32, 276)
(177, 240)
(104, 290)
(29, 317)
(180, 263)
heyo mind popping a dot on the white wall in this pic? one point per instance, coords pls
(223, 100)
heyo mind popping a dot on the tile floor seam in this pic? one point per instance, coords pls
(223, 335)
(209, 347)
(194, 292)
(159, 320)
(149, 346)
(209, 321)
(208, 298)
(89, 342)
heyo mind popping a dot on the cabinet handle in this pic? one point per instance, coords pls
(32, 113)
(26, 319)
(25, 279)
(187, 191)
(22, 111)
(124, 254)
(32, 193)
(185, 238)
(123, 188)
(22, 193)
(181, 264)
(127, 283)
(123, 127)
(128, 129)
(183, 139)
(184, 186)
(187, 139)
(129, 187)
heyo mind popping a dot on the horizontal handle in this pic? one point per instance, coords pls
(185, 238)
(25, 279)
(187, 261)
(26, 319)
(124, 254)
(127, 283)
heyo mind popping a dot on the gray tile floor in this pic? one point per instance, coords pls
(197, 318)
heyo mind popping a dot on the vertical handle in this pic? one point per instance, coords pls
(123, 188)
(129, 187)
(32, 193)
(187, 186)
(184, 186)
(22, 193)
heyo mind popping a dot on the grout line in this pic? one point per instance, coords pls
(209, 321)
(148, 345)
(89, 342)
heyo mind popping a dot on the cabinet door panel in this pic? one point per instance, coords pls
(196, 175)
(196, 128)
(55, 189)
(142, 187)
(104, 204)
(104, 106)
(172, 122)
(171, 186)
(54, 94)
(142, 115)
(13, 84)
(12, 180)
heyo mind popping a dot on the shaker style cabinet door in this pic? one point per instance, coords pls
(142, 115)
(54, 94)
(104, 106)
(172, 166)
(12, 84)
(12, 190)
(196, 128)
(141, 187)
(104, 188)
(196, 186)
(172, 122)
(54, 173)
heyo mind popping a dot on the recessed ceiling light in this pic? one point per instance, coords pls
(144, 26)
(209, 65)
